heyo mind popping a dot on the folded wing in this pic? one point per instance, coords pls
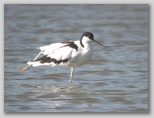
(56, 54)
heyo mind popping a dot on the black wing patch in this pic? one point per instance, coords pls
(46, 59)
(72, 45)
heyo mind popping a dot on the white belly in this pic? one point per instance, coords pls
(82, 58)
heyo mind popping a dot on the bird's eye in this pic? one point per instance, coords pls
(89, 36)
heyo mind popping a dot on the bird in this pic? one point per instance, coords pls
(72, 54)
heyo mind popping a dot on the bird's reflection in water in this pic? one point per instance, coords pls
(58, 88)
(57, 97)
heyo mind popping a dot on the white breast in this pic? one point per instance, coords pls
(82, 57)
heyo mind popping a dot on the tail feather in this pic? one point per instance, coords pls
(38, 63)
(34, 63)
(30, 63)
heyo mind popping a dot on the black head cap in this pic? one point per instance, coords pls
(88, 34)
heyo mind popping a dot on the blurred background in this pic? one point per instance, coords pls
(115, 80)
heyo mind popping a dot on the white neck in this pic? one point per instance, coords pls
(87, 43)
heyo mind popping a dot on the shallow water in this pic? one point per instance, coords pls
(115, 80)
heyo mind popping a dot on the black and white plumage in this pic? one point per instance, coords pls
(72, 54)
